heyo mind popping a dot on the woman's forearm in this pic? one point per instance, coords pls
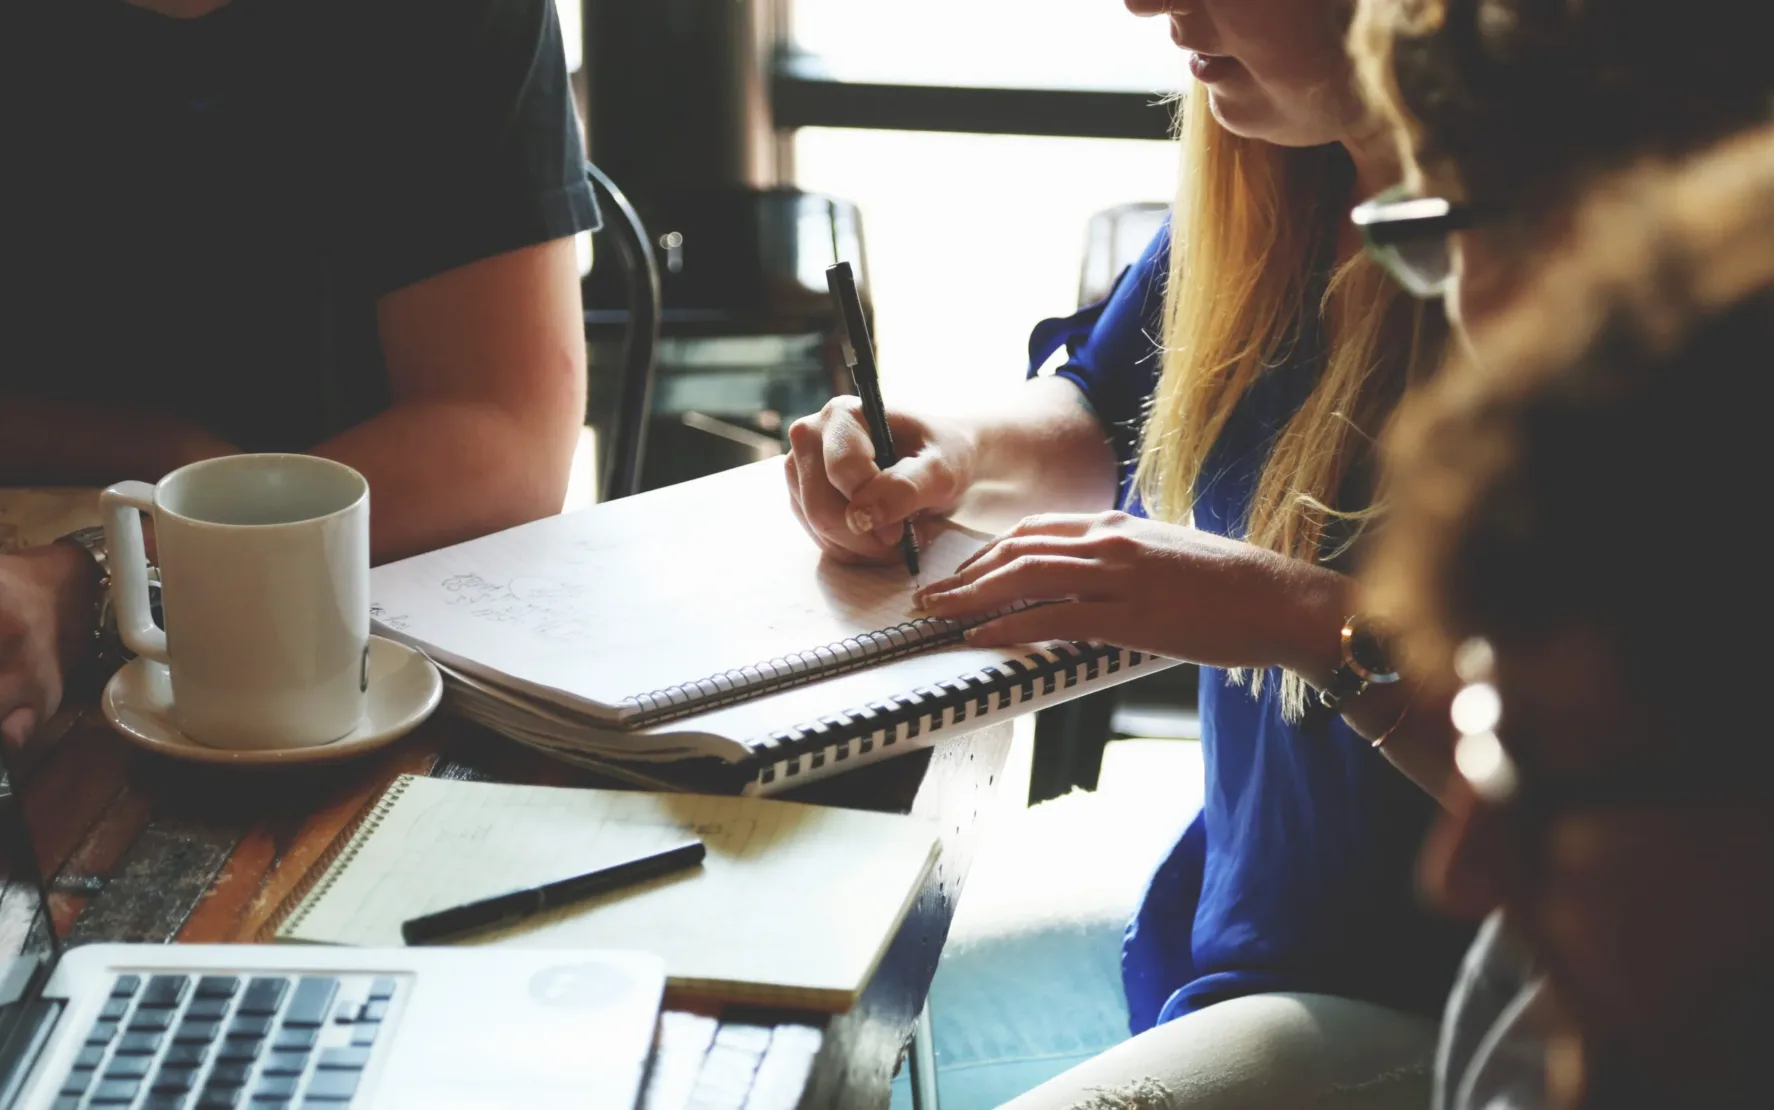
(1045, 451)
(1042, 450)
(1419, 738)
(1410, 723)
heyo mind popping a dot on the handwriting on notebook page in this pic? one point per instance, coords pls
(560, 608)
(650, 592)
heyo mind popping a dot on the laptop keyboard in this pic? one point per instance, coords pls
(222, 1042)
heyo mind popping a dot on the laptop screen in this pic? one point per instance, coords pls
(25, 925)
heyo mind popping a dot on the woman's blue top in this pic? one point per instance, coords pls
(1297, 875)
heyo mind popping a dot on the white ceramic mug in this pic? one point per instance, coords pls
(264, 590)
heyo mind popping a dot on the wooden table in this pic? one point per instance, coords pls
(144, 849)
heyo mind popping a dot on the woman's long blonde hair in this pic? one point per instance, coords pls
(1252, 223)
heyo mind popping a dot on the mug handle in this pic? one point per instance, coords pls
(122, 506)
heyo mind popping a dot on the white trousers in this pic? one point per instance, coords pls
(1261, 1052)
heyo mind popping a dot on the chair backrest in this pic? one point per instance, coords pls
(748, 331)
(634, 397)
(1112, 242)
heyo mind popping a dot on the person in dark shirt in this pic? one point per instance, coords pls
(1632, 970)
(1559, 544)
(342, 227)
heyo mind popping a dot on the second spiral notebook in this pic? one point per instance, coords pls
(700, 623)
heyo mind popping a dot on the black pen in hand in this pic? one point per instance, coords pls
(859, 356)
(503, 909)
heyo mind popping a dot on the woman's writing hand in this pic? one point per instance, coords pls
(1141, 584)
(854, 510)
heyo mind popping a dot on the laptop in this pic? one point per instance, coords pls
(274, 1027)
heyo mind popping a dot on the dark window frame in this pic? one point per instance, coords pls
(802, 95)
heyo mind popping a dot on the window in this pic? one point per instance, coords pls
(1033, 44)
(971, 237)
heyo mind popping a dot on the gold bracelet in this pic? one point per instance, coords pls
(1409, 702)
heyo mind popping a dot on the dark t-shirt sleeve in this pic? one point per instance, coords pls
(470, 140)
(1113, 350)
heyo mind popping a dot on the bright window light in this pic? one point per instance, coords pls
(1071, 44)
(972, 239)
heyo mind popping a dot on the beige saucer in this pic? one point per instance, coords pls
(404, 689)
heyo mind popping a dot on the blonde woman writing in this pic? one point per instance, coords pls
(1278, 956)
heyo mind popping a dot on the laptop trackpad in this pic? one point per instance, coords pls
(575, 1032)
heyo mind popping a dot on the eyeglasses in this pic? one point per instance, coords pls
(1477, 710)
(1409, 237)
(1498, 781)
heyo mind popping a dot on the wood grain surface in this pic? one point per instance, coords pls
(139, 848)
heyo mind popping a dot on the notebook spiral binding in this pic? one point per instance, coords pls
(321, 875)
(859, 651)
(811, 747)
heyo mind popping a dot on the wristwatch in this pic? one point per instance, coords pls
(107, 645)
(1366, 662)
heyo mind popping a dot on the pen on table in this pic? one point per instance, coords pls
(503, 909)
(859, 356)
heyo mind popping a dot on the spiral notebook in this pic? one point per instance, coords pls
(794, 904)
(700, 623)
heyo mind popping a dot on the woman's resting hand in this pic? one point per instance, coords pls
(1142, 584)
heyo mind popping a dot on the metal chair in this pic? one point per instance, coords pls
(621, 469)
(1113, 241)
(921, 1059)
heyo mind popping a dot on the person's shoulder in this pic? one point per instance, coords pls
(1159, 247)
(1142, 286)
(454, 55)
(1153, 263)
(1144, 282)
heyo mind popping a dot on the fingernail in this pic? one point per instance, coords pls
(861, 521)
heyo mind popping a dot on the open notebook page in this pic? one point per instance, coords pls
(794, 903)
(653, 591)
